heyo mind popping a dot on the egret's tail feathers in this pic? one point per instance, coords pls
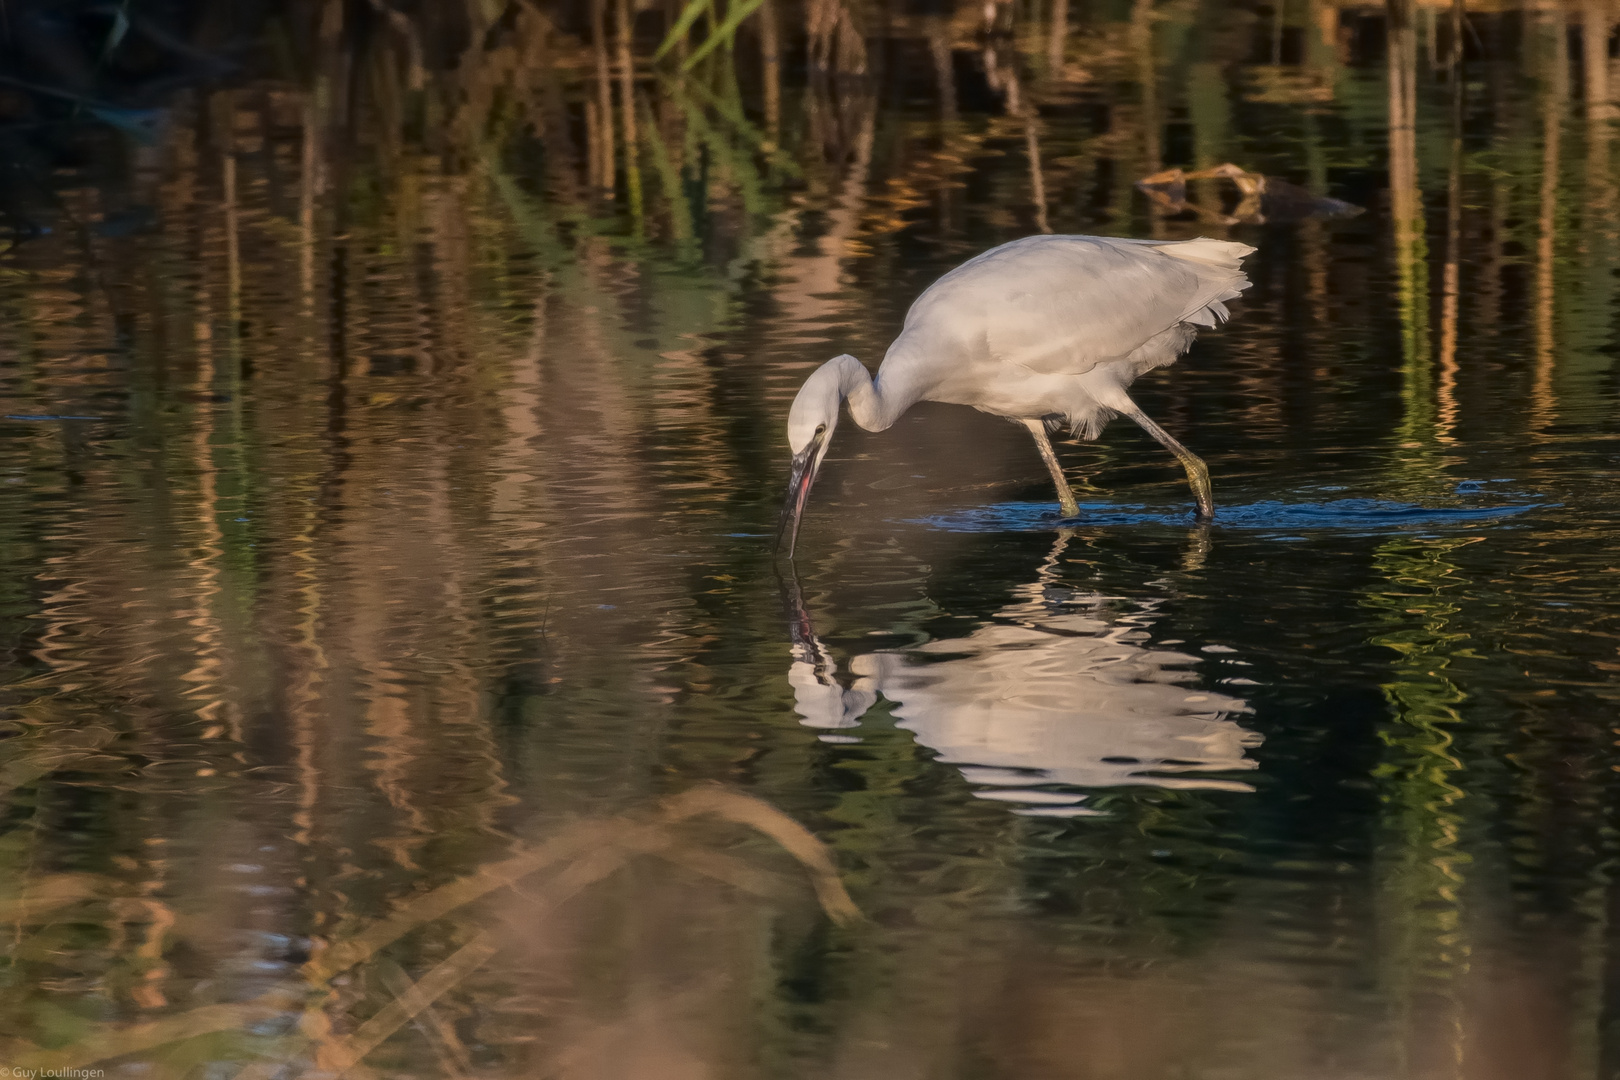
(1213, 313)
(1225, 254)
(1220, 264)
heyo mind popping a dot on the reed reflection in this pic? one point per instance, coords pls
(436, 368)
(1052, 695)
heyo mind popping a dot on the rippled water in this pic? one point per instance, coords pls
(358, 527)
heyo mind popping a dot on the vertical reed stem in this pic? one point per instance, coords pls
(770, 59)
(627, 110)
(1554, 87)
(1595, 59)
(601, 132)
(1450, 282)
(1056, 38)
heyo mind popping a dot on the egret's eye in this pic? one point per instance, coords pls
(821, 429)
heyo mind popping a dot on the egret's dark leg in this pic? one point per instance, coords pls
(1066, 499)
(1197, 471)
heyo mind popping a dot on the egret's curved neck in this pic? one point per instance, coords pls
(875, 404)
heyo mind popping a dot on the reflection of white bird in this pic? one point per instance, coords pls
(1043, 695)
(1047, 331)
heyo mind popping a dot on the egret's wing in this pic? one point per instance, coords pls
(1064, 304)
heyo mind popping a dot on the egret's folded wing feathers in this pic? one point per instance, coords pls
(1064, 304)
(1221, 254)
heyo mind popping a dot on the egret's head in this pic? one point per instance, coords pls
(815, 409)
(810, 426)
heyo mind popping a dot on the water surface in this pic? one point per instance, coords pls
(379, 495)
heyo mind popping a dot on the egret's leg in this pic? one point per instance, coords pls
(1066, 499)
(1197, 471)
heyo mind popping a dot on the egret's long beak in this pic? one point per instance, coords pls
(806, 464)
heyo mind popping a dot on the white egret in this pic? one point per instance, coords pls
(1046, 331)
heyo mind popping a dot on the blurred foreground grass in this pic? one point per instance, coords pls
(311, 1024)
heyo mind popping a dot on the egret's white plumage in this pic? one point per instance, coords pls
(1045, 330)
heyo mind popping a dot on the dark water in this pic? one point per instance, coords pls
(365, 517)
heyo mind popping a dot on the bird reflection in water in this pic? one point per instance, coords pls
(1048, 697)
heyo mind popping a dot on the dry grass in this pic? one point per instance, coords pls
(325, 1040)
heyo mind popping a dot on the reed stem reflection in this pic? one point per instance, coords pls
(436, 357)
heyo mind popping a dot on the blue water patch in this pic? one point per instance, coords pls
(1358, 515)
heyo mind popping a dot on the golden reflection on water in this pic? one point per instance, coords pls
(438, 430)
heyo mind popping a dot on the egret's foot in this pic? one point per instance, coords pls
(1203, 494)
(1197, 471)
(1203, 507)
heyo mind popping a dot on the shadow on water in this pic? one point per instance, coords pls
(1358, 517)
